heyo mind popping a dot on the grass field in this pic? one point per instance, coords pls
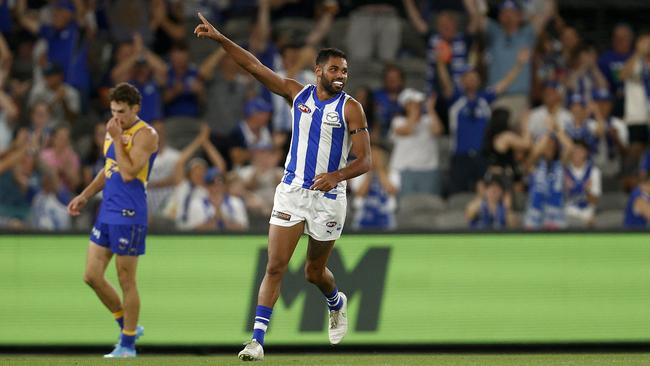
(545, 359)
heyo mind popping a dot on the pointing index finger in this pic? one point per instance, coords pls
(205, 21)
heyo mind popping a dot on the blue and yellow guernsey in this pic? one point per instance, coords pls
(124, 203)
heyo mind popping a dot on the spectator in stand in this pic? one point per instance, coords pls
(62, 98)
(585, 77)
(505, 40)
(374, 26)
(162, 178)
(94, 162)
(547, 66)
(611, 64)
(552, 107)
(375, 195)
(18, 182)
(446, 42)
(185, 91)
(228, 212)
(503, 149)
(148, 73)
(8, 116)
(253, 131)
(546, 195)
(468, 116)
(40, 123)
(570, 41)
(363, 94)
(261, 177)
(166, 24)
(62, 159)
(636, 74)
(613, 145)
(586, 123)
(492, 207)
(583, 186)
(415, 155)
(49, 207)
(68, 38)
(190, 206)
(385, 98)
(637, 211)
(128, 17)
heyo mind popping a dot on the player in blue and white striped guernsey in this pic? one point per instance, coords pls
(326, 125)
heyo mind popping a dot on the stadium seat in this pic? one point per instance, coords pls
(450, 220)
(417, 211)
(612, 201)
(610, 219)
(458, 201)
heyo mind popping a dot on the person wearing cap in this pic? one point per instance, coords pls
(253, 131)
(415, 153)
(583, 186)
(189, 205)
(63, 99)
(469, 113)
(492, 208)
(505, 39)
(613, 145)
(228, 211)
(586, 122)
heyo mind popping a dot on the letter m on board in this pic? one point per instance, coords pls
(364, 283)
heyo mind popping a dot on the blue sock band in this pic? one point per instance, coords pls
(262, 318)
(334, 301)
(120, 322)
(127, 341)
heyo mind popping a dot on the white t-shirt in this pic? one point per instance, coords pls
(636, 99)
(417, 151)
(611, 167)
(538, 117)
(234, 209)
(189, 206)
(163, 168)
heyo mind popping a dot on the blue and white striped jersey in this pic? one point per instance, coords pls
(319, 140)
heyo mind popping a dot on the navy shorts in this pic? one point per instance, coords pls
(120, 239)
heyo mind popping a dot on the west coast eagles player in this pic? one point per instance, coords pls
(121, 226)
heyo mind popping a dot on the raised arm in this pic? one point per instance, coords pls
(477, 11)
(323, 24)
(415, 17)
(358, 130)
(446, 84)
(286, 88)
(213, 154)
(207, 67)
(29, 22)
(539, 20)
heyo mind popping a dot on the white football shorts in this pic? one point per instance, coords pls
(323, 214)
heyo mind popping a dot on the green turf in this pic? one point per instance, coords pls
(598, 359)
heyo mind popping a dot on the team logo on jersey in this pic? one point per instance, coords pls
(332, 119)
(128, 213)
(303, 108)
(126, 139)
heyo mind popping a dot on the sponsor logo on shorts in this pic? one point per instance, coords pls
(128, 213)
(331, 224)
(281, 215)
(303, 108)
(123, 243)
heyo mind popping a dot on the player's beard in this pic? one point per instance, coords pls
(329, 87)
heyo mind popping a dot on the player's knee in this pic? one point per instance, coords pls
(91, 279)
(275, 269)
(127, 281)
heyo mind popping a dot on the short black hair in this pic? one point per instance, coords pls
(125, 92)
(325, 54)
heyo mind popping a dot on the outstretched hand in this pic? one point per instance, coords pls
(207, 30)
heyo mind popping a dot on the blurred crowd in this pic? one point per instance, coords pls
(486, 115)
